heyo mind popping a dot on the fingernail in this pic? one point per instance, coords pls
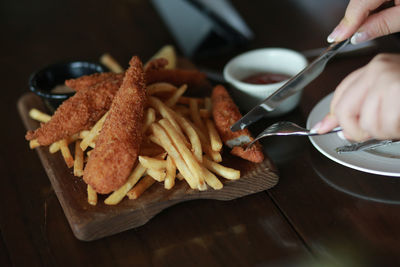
(335, 34)
(359, 37)
(331, 38)
(316, 128)
(341, 135)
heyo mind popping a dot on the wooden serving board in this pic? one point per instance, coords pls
(94, 222)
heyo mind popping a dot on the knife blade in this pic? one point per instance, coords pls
(369, 144)
(298, 82)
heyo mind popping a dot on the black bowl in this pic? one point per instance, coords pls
(43, 81)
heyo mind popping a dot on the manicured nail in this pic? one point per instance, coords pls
(341, 135)
(315, 128)
(359, 37)
(335, 34)
(331, 38)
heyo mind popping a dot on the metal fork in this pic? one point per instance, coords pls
(288, 128)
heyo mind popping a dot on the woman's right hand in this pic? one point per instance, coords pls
(366, 103)
(362, 25)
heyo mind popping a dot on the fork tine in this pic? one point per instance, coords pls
(251, 143)
(263, 134)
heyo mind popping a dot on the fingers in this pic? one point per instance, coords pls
(389, 117)
(370, 114)
(379, 24)
(330, 121)
(343, 86)
(348, 107)
(356, 13)
(326, 124)
(366, 103)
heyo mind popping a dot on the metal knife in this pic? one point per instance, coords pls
(292, 86)
(369, 144)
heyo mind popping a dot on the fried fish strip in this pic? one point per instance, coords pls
(88, 81)
(193, 78)
(79, 112)
(118, 145)
(225, 113)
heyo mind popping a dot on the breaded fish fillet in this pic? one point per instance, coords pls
(79, 112)
(225, 114)
(154, 73)
(253, 153)
(156, 64)
(177, 77)
(87, 81)
(118, 145)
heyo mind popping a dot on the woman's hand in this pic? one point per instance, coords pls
(367, 102)
(359, 21)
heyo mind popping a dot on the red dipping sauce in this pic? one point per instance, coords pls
(265, 78)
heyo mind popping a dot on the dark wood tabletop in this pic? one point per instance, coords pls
(319, 214)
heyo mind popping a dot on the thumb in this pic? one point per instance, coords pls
(356, 14)
(326, 124)
(379, 24)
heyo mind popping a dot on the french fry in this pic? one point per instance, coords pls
(140, 187)
(174, 98)
(186, 100)
(152, 163)
(94, 132)
(205, 144)
(33, 143)
(160, 87)
(222, 171)
(92, 196)
(53, 148)
(78, 162)
(211, 179)
(120, 193)
(186, 154)
(107, 60)
(166, 143)
(195, 115)
(38, 115)
(192, 135)
(149, 118)
(66, 153)
(165, 112)
(169, 181)
(216, 143)
(156, 174)
(215, 155)
(83, 134)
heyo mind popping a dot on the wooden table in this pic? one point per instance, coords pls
(319, 213)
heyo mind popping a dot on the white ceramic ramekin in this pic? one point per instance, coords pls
(273, 60)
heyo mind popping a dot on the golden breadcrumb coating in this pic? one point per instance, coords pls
(118, 144)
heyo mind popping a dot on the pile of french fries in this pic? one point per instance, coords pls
(180, 141)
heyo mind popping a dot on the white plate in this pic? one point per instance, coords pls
(383, 161)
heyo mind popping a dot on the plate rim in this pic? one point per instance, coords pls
(343, 159)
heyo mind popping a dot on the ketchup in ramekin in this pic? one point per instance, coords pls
(265, 78)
